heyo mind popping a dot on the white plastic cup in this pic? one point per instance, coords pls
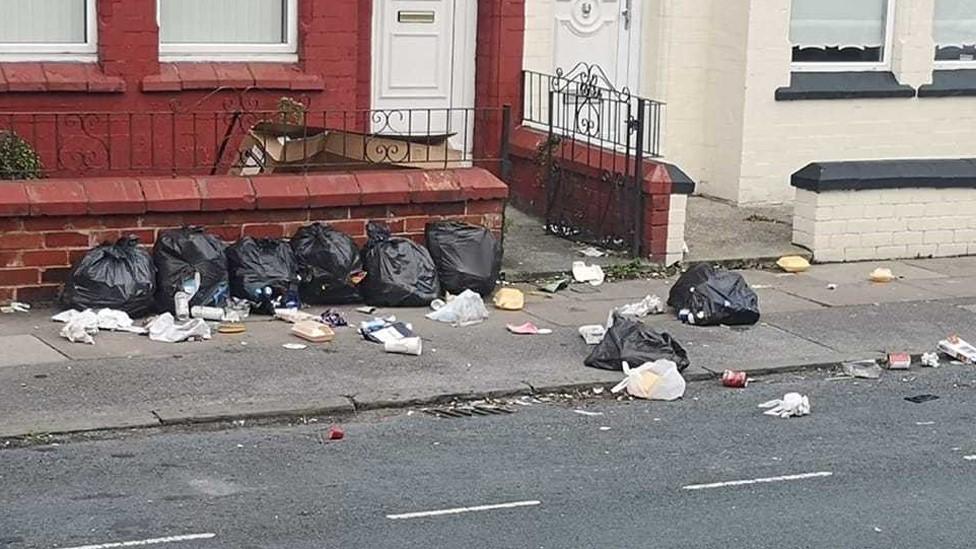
(406, 346)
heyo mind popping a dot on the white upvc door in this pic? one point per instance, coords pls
(605, 33)
(424, 67)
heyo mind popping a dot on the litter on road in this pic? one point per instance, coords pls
(313, 331)
(527, 329)
(629, 340)
(881, 275)
(588, 413)
(404, 346)
(334, 433)
(81, 326)
(899, 361)
(735, 379)
(555, 286)
(793, 264)
(295, 346)
(658, 380)
(650, 305)
(958, 349)
(164, 328)
(791, 405)
(919, 399)
(705, 296)
(592, 252)
(588, 273)
(509, 299)
(865, 369)
(381, 330)
(930, 360)
(15, 307)
(592, 334)
(466, 309)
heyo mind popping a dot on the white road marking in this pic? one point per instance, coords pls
(757, 480)
(143, 542)
(459, 510)
(969, 458)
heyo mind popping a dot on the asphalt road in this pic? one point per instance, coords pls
(898, 476)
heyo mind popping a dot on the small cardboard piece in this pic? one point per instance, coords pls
(316, 332)
(958, 349)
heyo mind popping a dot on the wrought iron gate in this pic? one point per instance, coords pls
(607, 134)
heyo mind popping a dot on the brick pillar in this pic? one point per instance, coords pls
(128, 39)
(498, 78)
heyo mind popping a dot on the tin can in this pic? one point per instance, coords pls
(732, 378)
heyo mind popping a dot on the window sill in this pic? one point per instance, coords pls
(950, 83)
(57, 77)
(843, 85)
(174, 77)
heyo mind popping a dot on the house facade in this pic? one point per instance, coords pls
(757, 89)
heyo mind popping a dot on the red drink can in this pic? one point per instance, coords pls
(732, 378)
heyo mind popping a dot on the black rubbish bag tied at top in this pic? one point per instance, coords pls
(708, 297)
(633, 342)
(264, 272)
(399, 272)
(468, 257)
(115, 276)
(179, 255)
(329, 265)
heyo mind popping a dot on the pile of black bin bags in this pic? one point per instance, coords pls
(319, 265)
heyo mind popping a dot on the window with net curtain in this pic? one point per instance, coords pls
(241, 25)
(954, 30)
(838, 31)
(51, 26)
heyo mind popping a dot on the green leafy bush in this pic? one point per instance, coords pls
(18, 160)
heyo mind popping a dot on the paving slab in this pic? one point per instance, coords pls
(948, 287)
(911, 327)
(949, 266)
(847, 273)
(26, 349)
(255, 406)
(857, 293)
(772, 300)
(716, 230)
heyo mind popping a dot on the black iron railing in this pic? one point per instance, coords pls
(250, 141)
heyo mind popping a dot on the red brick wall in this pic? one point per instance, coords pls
(46, 226)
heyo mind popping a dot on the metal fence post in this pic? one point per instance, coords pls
(639, 178)
(506, 167)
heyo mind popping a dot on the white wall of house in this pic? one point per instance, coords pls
(717, 65)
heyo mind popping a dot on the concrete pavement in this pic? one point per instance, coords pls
(898, 476)
(50, 385)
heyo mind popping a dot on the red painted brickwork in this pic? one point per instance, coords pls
(37, 249)
(528, 190)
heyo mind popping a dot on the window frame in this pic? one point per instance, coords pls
(847, 66)
(286, 52)
(947, 65)
(86, 51)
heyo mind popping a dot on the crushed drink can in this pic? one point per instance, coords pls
(181, 301)
(732, 378)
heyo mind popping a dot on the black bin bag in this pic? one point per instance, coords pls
(399, 272)
(181, 253)
(115, 276)
(264, 272)
(712, 297)
(329, 265)
(468, 257)
(631, 341)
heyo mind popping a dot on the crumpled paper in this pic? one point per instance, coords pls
(164, 328)
(81, 326)
(791, 405)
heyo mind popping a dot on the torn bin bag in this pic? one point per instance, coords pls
(399, 273)
(329, 265)
(181, 253)
(631, 341)
(680, 295)
(264, 272)
(113, 276)
(468, 257)
(724, 298)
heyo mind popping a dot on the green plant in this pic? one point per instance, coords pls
(18, 160)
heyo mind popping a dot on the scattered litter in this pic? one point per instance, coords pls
(215, 314)
(604, 428)
(80, 326)
(650, 305)
(194, 262)
(231, 328)
(705, 296)
(732, 378)
(969, 458)
(15, 307)
(366, 310)
(468, 257)
(118, 276)
(921, 423)
(333, 319)
(400, 272)
(930, 360)
(588, 273)
(528, 329)
(919, 399)
(592, 252)
(865, 369)
(381, 330)
(294, 346)
(293, 315)
(598, 390)
(831, 286)
(509, 299)
(658, 380)
(878, 530)
(881, 275)
(958, 349)
(164, 328)
(555, 286)
(236, 310)
(264, 271)
(631, 341)
(592, 334)
(330, 266)
(792, 404)
(313, 331)
(466, 309)
(899, 361)
(588, 413)
(404, 346)
(793, 264)
(334, 433)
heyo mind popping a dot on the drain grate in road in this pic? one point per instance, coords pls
(469, 411)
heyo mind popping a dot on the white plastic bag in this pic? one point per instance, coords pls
(165, 329)
(792, 404)
(658, 380)
(464, 310)
(588, 273)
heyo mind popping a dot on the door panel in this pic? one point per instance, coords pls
(587, 31)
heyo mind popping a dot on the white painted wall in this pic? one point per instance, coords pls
(717, 64)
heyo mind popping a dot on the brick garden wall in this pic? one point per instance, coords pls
(46, 226)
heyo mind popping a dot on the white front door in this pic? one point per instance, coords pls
(605, 33)
(424, 67)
